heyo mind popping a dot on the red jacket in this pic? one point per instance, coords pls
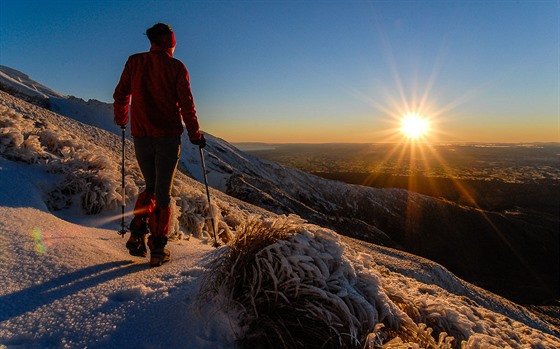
(161, 95)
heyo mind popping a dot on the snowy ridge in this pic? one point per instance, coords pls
(72, 285)
(23, 83)
(92, 112)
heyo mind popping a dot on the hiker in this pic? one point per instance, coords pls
(161, 98)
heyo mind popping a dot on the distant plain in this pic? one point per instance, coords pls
(515, 179)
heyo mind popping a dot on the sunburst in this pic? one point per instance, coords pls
(414, 126)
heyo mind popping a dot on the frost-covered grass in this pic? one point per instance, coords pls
(88, 173)
(286, 284)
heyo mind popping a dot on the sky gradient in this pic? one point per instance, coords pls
(315, 71)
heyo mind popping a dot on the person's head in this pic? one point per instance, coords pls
(161, 35)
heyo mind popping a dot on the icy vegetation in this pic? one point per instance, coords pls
(276, 282)
(287, 284)
(86, 170)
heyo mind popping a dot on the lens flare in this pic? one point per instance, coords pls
(40, 247)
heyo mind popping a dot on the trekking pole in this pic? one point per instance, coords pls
(123, 231)
(216, 243)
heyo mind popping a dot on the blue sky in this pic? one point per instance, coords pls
(314, 71)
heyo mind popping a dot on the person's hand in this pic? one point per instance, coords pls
(200, 142)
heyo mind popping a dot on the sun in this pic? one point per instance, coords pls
(414, 126)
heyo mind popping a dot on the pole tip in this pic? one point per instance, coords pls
(122, 232)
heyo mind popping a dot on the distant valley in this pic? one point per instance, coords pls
(507, 178)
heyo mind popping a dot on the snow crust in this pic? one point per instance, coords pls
(22, 82)
(71, 286)
(68, 282)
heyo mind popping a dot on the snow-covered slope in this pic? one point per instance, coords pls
(92, 112)
(23, 83)
(474, 244)
(71, 286)
(69, 283)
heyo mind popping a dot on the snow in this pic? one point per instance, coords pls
(67, 285)
(19, 81)
(92, 112)
(68, 281)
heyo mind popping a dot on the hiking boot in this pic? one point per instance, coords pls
(159, 256)
(136, 245)
(158, 253)
(139, 225)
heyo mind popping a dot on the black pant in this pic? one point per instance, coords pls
(158, 158)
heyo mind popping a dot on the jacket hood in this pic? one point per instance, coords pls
(156, 48)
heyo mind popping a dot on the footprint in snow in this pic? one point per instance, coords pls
(130, 294)
(194, 272)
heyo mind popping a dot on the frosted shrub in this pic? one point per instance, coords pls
(234, 218)
(89, 174)
(9, 118)
(10, 141)
(175, 232)
(194, 214)
(286, 284)
(32, 150)
(288, 290)
(93, 191)
(16, 140)
(190, 217)
(51, 140)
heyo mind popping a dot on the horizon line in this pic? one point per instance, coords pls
(434, 143)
